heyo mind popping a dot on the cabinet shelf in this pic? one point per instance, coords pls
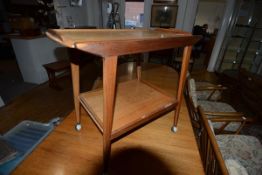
(136, 103)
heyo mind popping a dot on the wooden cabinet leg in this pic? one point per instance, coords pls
(182, 78)
(76, 90)
(109, 83)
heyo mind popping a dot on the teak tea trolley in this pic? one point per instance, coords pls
(120, 108)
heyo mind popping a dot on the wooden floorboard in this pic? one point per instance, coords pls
(43, 103)
(153, 149)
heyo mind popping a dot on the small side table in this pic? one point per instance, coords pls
(121, 108)
(53, 68)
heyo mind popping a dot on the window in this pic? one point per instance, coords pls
(134, 14)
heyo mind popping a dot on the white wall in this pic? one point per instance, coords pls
(210, 13)
(31, 54)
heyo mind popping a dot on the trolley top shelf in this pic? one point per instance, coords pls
(108, 42)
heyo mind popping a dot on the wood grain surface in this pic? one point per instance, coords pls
(106, 42)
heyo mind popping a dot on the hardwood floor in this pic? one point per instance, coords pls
(43, 103)
(153, 149)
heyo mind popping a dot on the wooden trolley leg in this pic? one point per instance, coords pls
(75, 82)
(109, 83)
(138, 67)
(184, 68)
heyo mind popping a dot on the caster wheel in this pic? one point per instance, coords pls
(78, 127)
(174, 129)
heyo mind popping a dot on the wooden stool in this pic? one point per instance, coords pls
(52, 68)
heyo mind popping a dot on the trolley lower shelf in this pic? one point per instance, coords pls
(135, 103)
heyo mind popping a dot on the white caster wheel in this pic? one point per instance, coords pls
(78, 126)
(174, 129)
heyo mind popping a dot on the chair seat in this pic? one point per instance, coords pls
(203, 83)
(212, 106)
(247, 150)
(215, 106)
(235, 168)
(203, 95)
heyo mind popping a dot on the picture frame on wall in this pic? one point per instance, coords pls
(166, 1)
(163, 16)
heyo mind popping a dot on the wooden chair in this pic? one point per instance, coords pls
(225, 154)
(209, 91)
(225, 117)
(206, 90)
